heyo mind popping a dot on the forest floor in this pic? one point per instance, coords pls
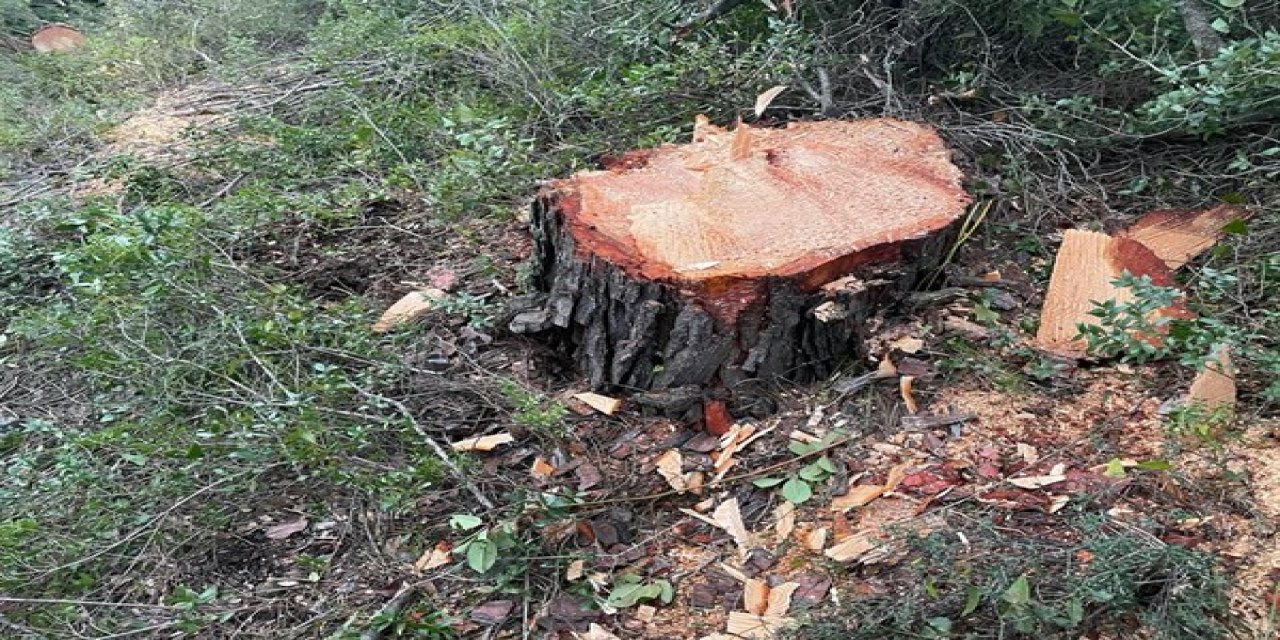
(588, 516)
(204, 437)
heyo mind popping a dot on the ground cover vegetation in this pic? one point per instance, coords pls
(185, 358)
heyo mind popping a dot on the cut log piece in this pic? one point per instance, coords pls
(1084, 272)
(1178, 236)
(702, 265)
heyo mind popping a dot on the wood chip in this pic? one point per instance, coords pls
(904, 385)
(645, 613)
(541, 468)
(575, 570)
(1215, 386)
(907, 344)
(601, 403)
(816, 540)
(896, 474)
(1178, 236)
(1086, 265)
(1056, 503)
(595, 632)
(284, 530)
(1037, 482)
(671, 467)
(483, 443)
(755, 596)
(1029, 453)
(858, 496)
(412, 306)
(765, 99)
(851, 549)
(785, 520)
(754, 627)
(729, 518)
(780, 599)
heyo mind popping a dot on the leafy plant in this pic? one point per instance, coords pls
(798, 487)
(631, 589)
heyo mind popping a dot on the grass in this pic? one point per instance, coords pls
(986, 579)
(186, 357)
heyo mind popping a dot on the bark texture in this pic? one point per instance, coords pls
(633, 322)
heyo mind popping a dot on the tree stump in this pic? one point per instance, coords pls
(748, 255)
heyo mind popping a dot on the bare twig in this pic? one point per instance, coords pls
(435, 448)
(389, 610)
(84, 603)
(142, 529)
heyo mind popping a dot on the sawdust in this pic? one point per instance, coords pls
(156, 134)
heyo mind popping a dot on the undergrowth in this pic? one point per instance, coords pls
(164, 384)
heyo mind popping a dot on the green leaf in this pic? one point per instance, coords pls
(1115, 469)
(1155, 465)
(1237, 227)
(765, 483)
(624, 595)
(1232, 4)
(1220, 25)
(668, 592)
(940, 624)
(801, 448)
(1018, 593)
(826, 464)
(482, 554)
(797, 491)
(971, 601)
(813, 472)
(464, 522)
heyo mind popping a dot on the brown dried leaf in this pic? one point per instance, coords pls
(286, 529)
(595, 632)
(896, 475)
(435, 557)
(575, 570)
(483, 443)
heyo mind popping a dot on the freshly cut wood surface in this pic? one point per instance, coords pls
(800, 201)
(742, 257)
(1178, 236)
(1086, 265)
(1215, 386)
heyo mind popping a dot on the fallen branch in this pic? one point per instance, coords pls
(388, 611)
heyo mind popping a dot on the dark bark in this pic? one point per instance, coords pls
(633, 335)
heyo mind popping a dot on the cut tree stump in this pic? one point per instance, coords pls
(748, 255)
